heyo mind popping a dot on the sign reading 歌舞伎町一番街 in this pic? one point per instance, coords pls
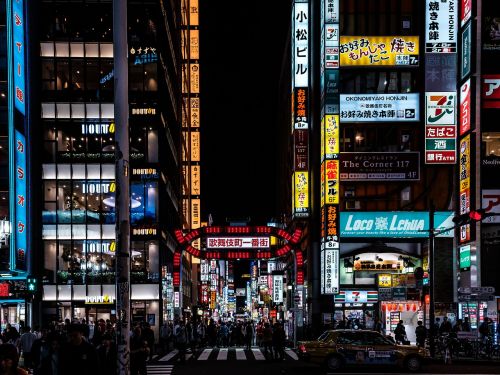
(396, 224)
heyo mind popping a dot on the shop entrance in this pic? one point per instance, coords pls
(355, 315)
(12, 313)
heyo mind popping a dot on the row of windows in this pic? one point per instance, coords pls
(93, 261)
(93, 202)
(94, 141)
(378, 82)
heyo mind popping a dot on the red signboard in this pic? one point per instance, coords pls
(490, 90)
(437, 157)
(465, 11)
(4, 289)
(432, 131)
(465, 108)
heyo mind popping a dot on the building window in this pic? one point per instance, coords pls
(144, 202)
(144, 262)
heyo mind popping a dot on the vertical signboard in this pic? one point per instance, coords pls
(20, 224)
(301, 50)
(465, 108)
(277, 288)
(466, 51)
(465, 186)
(300, 190)
(18, 46)
(441, 18)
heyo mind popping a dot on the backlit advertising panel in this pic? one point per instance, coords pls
(465, 108)
(440, 117)
(380, 166)
(331, 137)
(464, 252)
(332, 11)
(238, 242)
(301, 193)
(379, 50)
(441, 26)
(330, 270)
(331, 35)
(301, 98)
(332, 183)
(490, 90)
(301, 48)
(465, 185)
(278, 288)
(465, 11)
(491, 31)
(379, 107)
(21, 202)
(18, 48)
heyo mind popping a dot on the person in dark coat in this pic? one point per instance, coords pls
(139, 352)
(279, 342)
(107, 355)
(77, 356)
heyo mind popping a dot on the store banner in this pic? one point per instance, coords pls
(357, 296)
(379, 50)
(300, 190)
(380, 166)
(464, 179)
(441, 26)
(330, 280)
(379, 107)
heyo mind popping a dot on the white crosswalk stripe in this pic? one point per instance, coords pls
(222, 356)
(162, 369)
(169, 356)
(204, 355)
(240, 354)
(258, 354)
(292, 354)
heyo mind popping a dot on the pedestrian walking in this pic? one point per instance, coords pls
(279, 342)
(400, 333)
(107, 355)
(248, 335)
(25, 343)
(165, 337)
(421, 334)
(77, 356)
(139, 352)
(181, 339)
(267, 340)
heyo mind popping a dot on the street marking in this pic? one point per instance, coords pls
(188, 355)
(205, 354)
(292, 354)
(222, 356)
(160, 369)
(240, 354)
(258, 355)
(169, 356)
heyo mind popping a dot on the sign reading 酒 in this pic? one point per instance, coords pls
(379, 50)
(379, 107)
(379, 166)
(238, 242)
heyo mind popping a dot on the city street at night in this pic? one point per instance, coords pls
(282, 187)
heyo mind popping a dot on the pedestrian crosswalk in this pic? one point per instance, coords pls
(227, 354)
(157, 369)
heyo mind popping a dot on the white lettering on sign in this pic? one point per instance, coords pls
(493, 84)
(144, 231)
(237, 242)
(105, 299)
(96, 128)
(98, 188)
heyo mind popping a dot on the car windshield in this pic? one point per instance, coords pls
(325, 336)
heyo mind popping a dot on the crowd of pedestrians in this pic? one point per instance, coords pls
(197, 334)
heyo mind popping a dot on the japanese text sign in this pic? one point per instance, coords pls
(18, 48)
(21, 202)
(379, 50)
(379, 107)
(441, 26)
(301, 45)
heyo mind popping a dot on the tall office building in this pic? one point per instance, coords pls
(373, 130)
(74, 156)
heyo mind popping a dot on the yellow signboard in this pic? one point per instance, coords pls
(379, 50)
(331, 134)
(301, 192)
(385, 280)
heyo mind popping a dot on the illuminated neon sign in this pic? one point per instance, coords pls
(20, 226)
(18, 54)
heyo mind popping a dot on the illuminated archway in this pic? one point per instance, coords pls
(292, 240)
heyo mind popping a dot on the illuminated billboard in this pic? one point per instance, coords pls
(440, 123)
(465, 107)
(301, 50)
(330, 137)
(18, 47)
(441, 26)
(238, 242)
(301, 193)
(21, 203)
(464, 178)
(379, 107)
(332, 183)
(379, 50)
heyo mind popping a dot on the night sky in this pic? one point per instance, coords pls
(242, 46)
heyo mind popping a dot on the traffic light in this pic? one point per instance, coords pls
(31, 284)
(475, 215)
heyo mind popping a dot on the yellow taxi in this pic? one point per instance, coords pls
(338, 348)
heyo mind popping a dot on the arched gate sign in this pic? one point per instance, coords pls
(238, 242)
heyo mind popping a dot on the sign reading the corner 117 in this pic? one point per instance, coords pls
(399, 224)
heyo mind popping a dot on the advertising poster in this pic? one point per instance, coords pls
(379, 50)
(379, 107)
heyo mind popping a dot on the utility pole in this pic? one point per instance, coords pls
(431, 278)
(122, 198)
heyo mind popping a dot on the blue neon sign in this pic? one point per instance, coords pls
(20, 225)
(18, 47)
